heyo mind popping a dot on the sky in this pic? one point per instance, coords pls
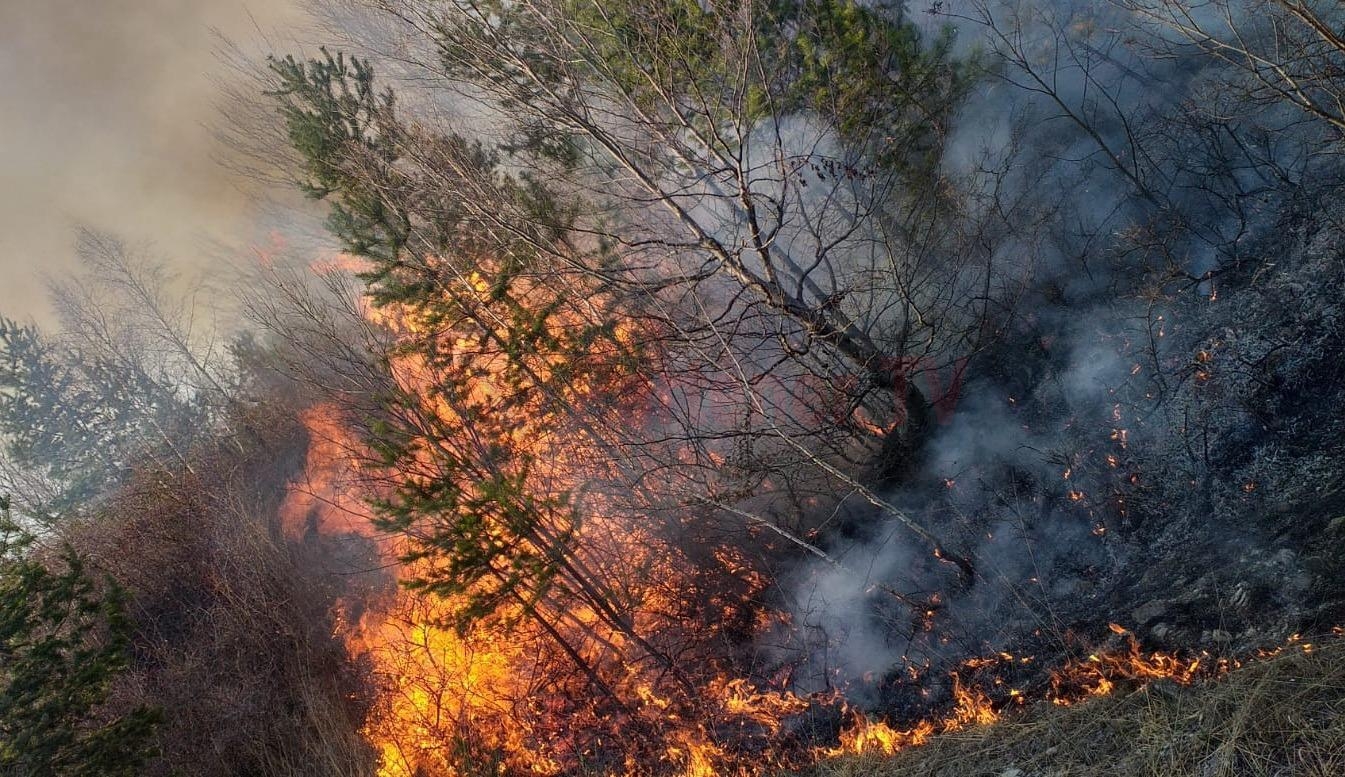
(106, 109)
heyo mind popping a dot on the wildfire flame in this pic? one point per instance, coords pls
(501, 694)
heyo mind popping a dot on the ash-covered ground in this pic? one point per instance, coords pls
(1171, 466)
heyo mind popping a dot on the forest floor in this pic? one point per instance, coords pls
(1282, 716)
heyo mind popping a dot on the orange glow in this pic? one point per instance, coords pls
(1099, 673)
(867, 736)
(521, 689)
(548, 685)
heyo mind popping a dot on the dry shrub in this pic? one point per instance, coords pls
(235, 626)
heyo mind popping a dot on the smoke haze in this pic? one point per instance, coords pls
(107, 117)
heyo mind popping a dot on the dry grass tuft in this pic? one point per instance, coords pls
(1281, 717)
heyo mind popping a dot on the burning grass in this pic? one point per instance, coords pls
(542, 634)
(1284, 715)
(625, 654)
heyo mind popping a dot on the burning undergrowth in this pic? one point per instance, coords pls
(715, 388)
(703, 654)
(693, 454)
(504, 697)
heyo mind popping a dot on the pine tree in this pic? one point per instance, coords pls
(63, 641)
(490, 343)
(80, 420)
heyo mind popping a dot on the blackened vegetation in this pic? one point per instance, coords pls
(1121, 247)
(726, 252)
(1197, 500)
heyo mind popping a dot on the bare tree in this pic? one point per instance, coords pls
(1288, 50)
(132, 374)
(751, 194)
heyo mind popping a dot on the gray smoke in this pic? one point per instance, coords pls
(1084, 424)
(107, 117)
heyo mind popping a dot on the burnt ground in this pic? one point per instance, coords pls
(1173, 466)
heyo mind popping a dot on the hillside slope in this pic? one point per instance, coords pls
(1276, 717)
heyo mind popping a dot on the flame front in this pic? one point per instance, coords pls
(548, 683)
(655, 674)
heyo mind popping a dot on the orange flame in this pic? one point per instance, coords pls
(512, 701)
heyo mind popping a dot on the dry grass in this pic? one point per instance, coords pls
(1281, 717)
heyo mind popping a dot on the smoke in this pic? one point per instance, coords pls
(1067, 154)
(982, 477)
(107, 122)
(1076, 448)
